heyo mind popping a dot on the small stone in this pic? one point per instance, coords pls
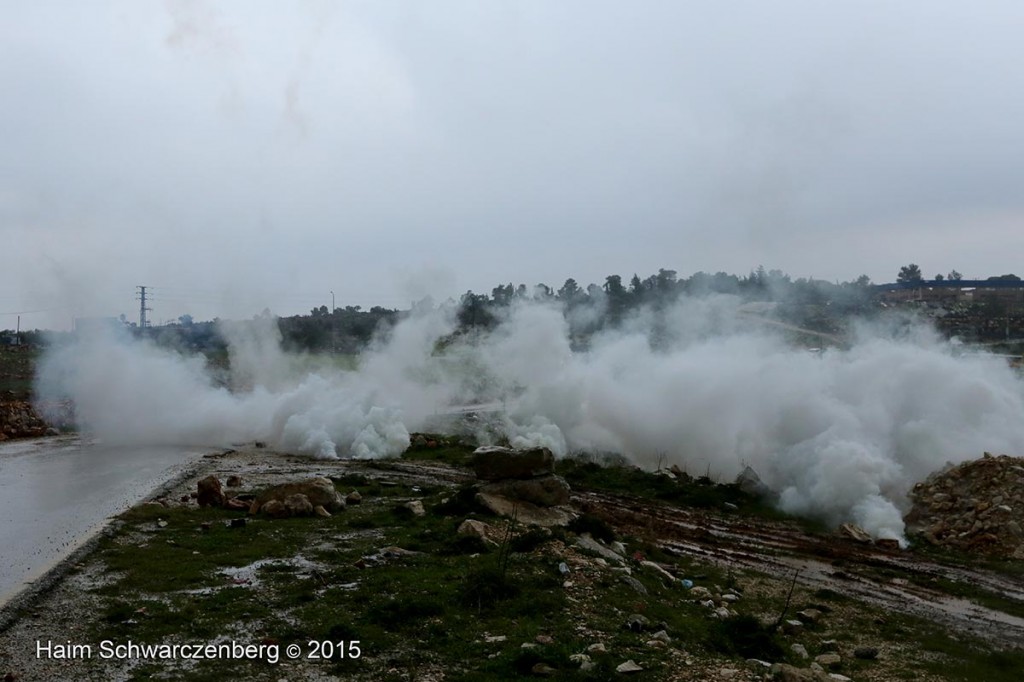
(209, 492)
(838, 677)
(274, 509)
(730, 597)
(416, 507)
(637, 623)
(476, 529)
(728, 673)
(544, 639)
(354, 498)
(855, 533)
(809, 615)
(598, 648)
(828, 660)
(587, 666)
(792, 627)
(590, 544)
(542, 669)
(829, 645)
(634, 583)
(662, 635)
(234, 481)
(495, 639)
(722, 613)
(161, 523)
(800, 650)
(235, 504)
(628, 667)
(659, 570)
(865, 653)
(579, 658)
(656, 644)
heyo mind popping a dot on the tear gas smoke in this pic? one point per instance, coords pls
(840, 434)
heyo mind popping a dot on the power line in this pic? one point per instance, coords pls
(143, 322)
(41, 310)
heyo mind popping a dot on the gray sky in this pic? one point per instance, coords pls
(241, 155)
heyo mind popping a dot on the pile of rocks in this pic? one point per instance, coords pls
(22, 419)
(19, 420)
(521, 484)
(309, 497)
(976, 506)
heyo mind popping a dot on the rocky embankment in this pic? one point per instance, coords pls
(18, 419)
(977, 506)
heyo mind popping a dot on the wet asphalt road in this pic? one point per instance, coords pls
(54, 492)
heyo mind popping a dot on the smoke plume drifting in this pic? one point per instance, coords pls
(840, 434)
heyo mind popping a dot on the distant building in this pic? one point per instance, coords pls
(1005, 293)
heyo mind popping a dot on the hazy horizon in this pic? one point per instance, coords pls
(250, 155)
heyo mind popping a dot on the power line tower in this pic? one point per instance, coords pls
(141, 295)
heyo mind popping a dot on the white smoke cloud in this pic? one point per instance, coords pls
(840, 435)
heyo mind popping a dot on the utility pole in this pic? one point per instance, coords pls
(143, 322)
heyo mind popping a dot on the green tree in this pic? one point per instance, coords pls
(569, 292)
(910, 273)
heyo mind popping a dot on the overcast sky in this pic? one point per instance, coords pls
(241, 155)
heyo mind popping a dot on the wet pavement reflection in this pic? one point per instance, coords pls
(55, 491)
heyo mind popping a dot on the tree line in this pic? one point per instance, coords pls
(614, 300)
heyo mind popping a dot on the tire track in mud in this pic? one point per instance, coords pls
(884, 578)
